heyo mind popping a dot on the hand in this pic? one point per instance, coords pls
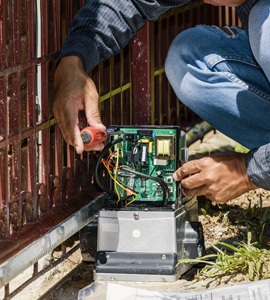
(75, 91)
(225, 2)
(219, 177)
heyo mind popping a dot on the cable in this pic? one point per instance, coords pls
(115, 174)
(97, 167)
(125, 189)
(158, 180)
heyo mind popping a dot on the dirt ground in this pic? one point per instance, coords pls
(220, 223)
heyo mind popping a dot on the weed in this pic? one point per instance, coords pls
(247, 259)
(255, 220)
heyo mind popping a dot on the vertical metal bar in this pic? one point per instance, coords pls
(70, 149)
(31, 105)
(6, 290)
(112, 102)
(16, 107)
(121, 83)
(45, 146)
(64, 248)
(159, 88)
(82, 2)
(35, 269)
(70, 157)
(68, 13)
(59, 156)
(233, 16)
(4, 187)
(141, 77)
(220, 16)
(3, 39)
(168, 96)
(227, 16)
(15, 6)
(57, 25)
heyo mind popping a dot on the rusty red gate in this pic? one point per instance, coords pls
(42, 180)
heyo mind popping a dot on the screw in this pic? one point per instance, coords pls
(163, 256)
(136, 216)
(203, 128)
(107, 255)
(60, 230)
(171, 132)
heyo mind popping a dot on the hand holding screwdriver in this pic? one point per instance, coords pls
(92, 136)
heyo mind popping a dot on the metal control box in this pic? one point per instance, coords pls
(146, 244)
(146, 226)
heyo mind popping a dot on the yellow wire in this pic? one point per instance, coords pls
(114, 178)
(126, 189)
(120, 185)
(132, 200)
(115, 173)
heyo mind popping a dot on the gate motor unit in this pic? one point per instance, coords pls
(147, 226)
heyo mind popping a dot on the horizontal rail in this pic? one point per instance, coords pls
(28, 64)
(49, 241)
(42, 272)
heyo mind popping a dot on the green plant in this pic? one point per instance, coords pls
(247, 259)
(206, 208)
(255, 220)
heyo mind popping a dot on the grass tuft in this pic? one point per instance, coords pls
(247, 259)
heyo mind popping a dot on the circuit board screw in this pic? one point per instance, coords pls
(136, 216)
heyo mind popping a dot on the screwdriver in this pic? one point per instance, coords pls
(92, 136)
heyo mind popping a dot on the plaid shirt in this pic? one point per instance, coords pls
(102, 28)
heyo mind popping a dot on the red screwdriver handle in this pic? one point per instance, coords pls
(92, 136)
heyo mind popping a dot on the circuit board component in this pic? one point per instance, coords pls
(140, 162)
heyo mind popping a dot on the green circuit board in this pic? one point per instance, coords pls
(152, 151)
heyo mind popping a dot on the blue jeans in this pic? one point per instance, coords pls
(225, 79)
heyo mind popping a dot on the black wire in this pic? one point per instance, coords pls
(123, 184)
(153, 170)
(162, 183)
(97, 167)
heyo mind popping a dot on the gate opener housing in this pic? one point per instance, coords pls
(147, 226)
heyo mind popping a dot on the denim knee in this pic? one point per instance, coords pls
(259, 27)
(182, 53)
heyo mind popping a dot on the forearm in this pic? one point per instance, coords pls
(258, 166)
(102, 28)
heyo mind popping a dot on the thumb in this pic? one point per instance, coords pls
(92, 109)
(176, 175)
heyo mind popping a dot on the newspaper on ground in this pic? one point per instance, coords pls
(259, 290)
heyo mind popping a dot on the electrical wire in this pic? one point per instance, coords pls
(115, 173)
(161, 182)
(120, 185)
(97, 167)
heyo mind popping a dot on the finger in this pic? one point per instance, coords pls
(194, 192)
(188, 168)
(77, 139)
(92, 110)
(98, 147)
(193, 181)
(68, 123)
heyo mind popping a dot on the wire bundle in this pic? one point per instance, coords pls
(113, 171)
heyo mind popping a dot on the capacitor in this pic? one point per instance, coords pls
(144, 153)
